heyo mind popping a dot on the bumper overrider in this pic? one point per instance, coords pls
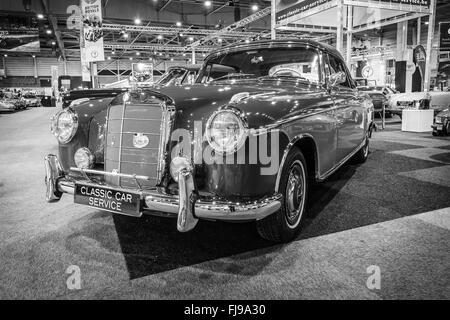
(187, 206)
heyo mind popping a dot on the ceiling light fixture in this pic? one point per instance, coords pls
(207, 3)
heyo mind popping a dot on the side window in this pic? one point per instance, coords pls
(335, 65)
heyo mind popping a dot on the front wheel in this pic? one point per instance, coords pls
(283, 225)
(363, 153)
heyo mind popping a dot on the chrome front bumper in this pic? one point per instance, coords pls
(188, 206)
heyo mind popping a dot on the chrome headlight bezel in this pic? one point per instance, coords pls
(242, 124)
(56, 129)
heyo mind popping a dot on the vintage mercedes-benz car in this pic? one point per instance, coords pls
(239, 145)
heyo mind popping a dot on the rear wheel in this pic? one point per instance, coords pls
(283, 225)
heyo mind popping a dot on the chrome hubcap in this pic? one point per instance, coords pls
(295, 192)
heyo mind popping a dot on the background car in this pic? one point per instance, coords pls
(441, 124)
(386, 90)
(11, 98)
(176, 75)
(31, 100)
(363, 82)
(7, 105)
(46, 101)
(379, 96)
(436, 100)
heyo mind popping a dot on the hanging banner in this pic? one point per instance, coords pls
(92, 31)
(290, 11)
(444, 36)
(289, 8)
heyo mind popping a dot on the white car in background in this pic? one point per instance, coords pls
(437, 100)
(31, 100)
(7, 105)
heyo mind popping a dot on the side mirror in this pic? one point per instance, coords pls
(336, 78)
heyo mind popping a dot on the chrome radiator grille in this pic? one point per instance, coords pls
(124, 122)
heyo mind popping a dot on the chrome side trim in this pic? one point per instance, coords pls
(340, 163)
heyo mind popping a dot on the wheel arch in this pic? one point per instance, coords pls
(308, 147)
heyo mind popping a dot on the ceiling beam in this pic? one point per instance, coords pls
(54, 24)
(232, 27)
(165, 5)
(218, 9)
(175, 30)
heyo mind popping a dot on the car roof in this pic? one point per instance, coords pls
(282, 43)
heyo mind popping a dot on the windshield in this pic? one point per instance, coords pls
(172, 77)
(296, 63)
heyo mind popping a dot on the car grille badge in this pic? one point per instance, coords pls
(140, 140)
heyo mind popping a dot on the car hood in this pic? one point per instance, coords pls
(266, 101)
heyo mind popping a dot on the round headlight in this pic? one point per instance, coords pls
(84, 159)
(226, 131)
(64, 125)
(177, 164)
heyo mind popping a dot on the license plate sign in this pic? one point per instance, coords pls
(439, 127)
(109, 199)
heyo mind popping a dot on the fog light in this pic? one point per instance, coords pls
(84, 159)
(178, 164)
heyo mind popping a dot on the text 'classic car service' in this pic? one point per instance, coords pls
(240, 144)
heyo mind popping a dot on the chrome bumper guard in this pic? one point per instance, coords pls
(187, 206)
